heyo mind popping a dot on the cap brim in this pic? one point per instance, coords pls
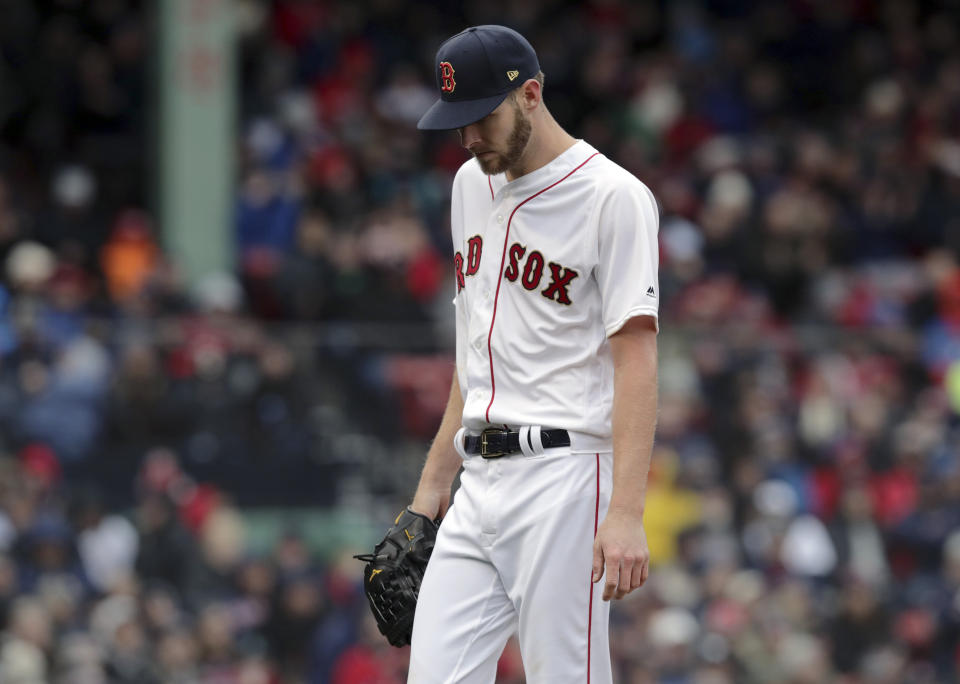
(445, 116)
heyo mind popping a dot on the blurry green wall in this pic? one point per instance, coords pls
(197, 84)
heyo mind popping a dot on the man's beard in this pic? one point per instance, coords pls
(516, 146)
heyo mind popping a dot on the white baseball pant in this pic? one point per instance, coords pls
(515, 554)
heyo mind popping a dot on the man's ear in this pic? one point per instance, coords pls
(529, 94)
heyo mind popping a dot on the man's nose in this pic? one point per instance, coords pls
(470, 135)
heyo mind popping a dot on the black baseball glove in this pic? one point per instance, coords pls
(394, 571)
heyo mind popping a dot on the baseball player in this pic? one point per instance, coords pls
(552, 411)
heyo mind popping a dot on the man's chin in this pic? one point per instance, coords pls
(491, 167)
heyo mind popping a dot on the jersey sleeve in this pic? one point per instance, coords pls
(461, 315)
(456, 233)
(628, 257)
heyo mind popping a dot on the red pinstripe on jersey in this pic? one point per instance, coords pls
(496, 296)
(490, 183)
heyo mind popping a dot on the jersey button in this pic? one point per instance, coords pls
(500, 218)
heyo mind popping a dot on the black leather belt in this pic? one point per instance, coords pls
(495, 443)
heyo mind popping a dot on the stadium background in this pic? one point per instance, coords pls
(187, 461)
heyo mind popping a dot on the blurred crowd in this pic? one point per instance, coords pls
(804, 501)
(168, 594)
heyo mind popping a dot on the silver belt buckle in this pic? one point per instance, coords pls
(485, 447)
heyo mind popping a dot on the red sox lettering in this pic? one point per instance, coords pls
(532, 270)
(516, 253)
(458, 266)
(475, 248)
(530, 275)
(558, 284)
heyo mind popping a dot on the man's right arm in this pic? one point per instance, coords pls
(443, 462)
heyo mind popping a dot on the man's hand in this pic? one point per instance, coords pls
(620, 553)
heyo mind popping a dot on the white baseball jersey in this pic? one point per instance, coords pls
(548, 266)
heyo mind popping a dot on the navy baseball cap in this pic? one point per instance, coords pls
(476, 70)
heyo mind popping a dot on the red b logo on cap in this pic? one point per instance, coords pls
(447, 84)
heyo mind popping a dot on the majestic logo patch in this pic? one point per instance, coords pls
(651, 291)
(512, 74)
(447, 84)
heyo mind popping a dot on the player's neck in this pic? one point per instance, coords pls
(547, 142)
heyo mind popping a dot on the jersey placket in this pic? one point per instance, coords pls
(496, 241)
(498, 228)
